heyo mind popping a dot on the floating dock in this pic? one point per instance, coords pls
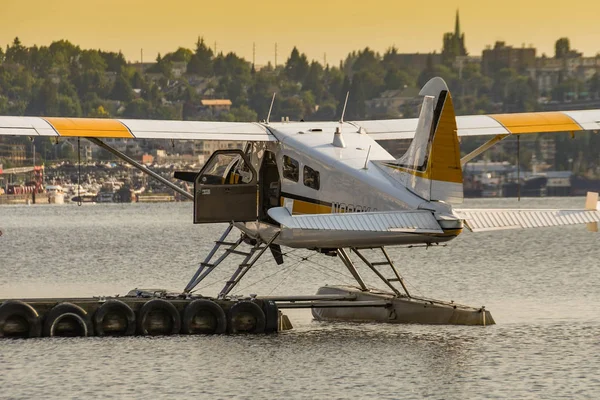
(140, 312)
(157, 312)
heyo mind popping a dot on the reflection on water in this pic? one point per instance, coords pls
(541, 286)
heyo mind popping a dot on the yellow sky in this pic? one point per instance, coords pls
(333, 27)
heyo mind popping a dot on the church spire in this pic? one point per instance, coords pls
(457, 26)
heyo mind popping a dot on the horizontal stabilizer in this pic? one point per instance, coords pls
(492, 220)
(394, 221)
(481, 220)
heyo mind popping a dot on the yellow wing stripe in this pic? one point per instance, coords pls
(537, 122)
(90, 127)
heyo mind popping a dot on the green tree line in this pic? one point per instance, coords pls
(63, 79)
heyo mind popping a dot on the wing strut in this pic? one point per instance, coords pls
(482, 148)
(139, 166)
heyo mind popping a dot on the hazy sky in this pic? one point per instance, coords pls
(316, 26)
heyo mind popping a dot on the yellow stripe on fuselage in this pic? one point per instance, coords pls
(537, 122)
(305, 207)
(89, 127)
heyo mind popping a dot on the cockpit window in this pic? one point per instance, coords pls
(291, 169)
(311, 178)
(226, 169)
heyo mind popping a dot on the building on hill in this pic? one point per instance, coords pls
(417, 61)
(389, 103)
(549, 72)
(453, 43)
(215, 106)
(503, 56)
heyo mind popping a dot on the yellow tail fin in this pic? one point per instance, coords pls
(432, 161)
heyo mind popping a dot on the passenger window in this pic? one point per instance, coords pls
(291, 169)
(311, 178)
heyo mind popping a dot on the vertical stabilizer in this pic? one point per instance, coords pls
(431, 166)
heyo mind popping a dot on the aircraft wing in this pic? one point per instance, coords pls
(493, 124)
(417, 221)
(133, 129)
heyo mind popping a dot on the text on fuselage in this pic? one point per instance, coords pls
(344, 208)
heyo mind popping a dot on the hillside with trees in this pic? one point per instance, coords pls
(63, 79)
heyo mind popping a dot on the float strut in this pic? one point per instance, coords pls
(350, 265)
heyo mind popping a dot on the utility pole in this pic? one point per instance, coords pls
(324, 60)
(275, 55)
(254, 53)
(215, 48)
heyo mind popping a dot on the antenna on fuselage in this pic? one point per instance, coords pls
(344, 109)
(338, 140)
(271, 108)
(367, 159)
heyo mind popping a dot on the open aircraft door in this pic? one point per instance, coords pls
(226, 189)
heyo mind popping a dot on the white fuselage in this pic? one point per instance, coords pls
(348, 183)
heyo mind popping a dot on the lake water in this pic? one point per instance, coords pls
(542, 287)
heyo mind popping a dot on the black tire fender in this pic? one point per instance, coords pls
(272, 316)
(63, 310)
(114, 306)
(158, 304)
(12, 308)
(203, 305)
(247, 308)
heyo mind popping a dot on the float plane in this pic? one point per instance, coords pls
(331, 187)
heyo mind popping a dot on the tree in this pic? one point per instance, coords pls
(562, 48)
(138, 108)
(180, 55)
(63, 52)
(121, 90)
(99, 112)
(568, 89)
(356, 108)
(240, 114)
(594, 85)
(68, 106)
(261, 92)
(427, 73)
(137, 81)
(1, 55)
(521, 95)
(45, 100)
(92, 60)
(115, 62)
(395, 78)
(92, 81)
(368, 60)
(16, 53)
(200, 62)
(296, 66)
(314, 80)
